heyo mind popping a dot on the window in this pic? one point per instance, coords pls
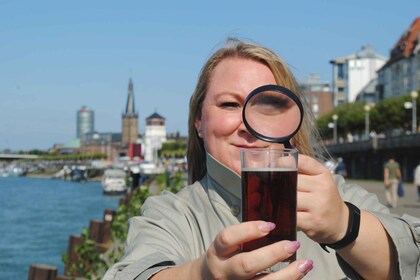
(340, 71)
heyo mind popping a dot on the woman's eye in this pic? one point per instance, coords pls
(230, 105)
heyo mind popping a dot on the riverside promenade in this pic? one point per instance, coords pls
(408, 204)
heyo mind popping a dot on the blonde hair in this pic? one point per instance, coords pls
(233, 47)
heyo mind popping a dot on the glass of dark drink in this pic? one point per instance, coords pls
(269, 193)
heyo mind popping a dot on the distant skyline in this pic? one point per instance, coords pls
(57, 56)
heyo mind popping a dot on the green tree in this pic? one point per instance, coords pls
(385, 116)
(173, 149)
(390, 114)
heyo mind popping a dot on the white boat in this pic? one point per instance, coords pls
(14, 171)
(113, 181)
(3, 172)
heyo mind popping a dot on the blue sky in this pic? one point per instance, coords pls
(56, 56)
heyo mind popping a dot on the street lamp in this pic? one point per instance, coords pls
(414, 96)
(335, 118)
(367, 109)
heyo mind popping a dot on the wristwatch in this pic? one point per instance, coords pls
(352, 229)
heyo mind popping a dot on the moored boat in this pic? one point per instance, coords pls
(113, 182)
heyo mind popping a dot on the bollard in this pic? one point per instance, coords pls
(42, 272)
(124, 201)
(100, 232)
(109, 215)
(73, 257)
(63, 277)
(96, 231)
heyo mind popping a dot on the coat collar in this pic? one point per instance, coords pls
(225, 177)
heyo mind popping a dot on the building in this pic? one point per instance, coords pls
(154, 136)
(352, 73)
(85, 121)
(401, 74)
(130, 127)
(127, 145)
(106, 143)
(318, 95)
(369, 94)
(116, 145)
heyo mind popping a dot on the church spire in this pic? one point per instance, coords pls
(129, 108)
(129, 119)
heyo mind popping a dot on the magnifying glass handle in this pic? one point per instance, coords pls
(287, 145)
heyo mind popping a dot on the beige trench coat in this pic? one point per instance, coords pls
(177, 228)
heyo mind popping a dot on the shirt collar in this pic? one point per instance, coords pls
(225, 177)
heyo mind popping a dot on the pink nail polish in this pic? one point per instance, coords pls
(306, 266)
(267, 227)
(292, 246)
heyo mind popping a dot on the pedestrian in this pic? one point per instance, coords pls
(417, 179)
(197, 233)
(341, 168)
(392, 176)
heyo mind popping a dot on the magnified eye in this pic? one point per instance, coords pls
(271, 104)
(272, 113)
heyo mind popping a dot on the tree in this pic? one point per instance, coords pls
(387, 115)
(173, 149)
(390, 114)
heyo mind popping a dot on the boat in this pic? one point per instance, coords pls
(3, 172)
(113, 182)
(13, 171)
(79, 174)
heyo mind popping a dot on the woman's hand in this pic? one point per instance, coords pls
(322, 214)
(223, 259)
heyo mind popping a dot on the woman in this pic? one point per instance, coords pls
(197, 233)
(392, 176)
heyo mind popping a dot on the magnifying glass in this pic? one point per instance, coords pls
(273, 114)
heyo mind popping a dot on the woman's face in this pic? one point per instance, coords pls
(220, 124)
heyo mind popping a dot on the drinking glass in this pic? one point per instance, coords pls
(269, 193)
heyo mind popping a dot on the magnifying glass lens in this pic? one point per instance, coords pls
(273, 114)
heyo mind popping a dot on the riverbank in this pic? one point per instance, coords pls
(78, 170)
(39, 215)
(49, 174)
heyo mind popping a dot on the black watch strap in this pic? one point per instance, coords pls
(352, 229)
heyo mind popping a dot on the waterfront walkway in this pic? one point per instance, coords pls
(408, 204)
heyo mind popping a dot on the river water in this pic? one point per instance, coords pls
(37, 217)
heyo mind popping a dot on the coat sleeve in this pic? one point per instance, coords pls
(156, 240)
(403, 230)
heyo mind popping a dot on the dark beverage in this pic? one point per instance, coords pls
(270, 195)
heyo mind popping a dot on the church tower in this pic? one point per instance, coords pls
(130, 128)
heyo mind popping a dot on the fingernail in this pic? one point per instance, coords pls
(306, 266)
(292, 246)
(266, 226)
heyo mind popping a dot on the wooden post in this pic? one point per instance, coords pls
(42, 272)
(73, 257)
(64, 277)
(109, 215)
(124, 200)
(95, 231)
